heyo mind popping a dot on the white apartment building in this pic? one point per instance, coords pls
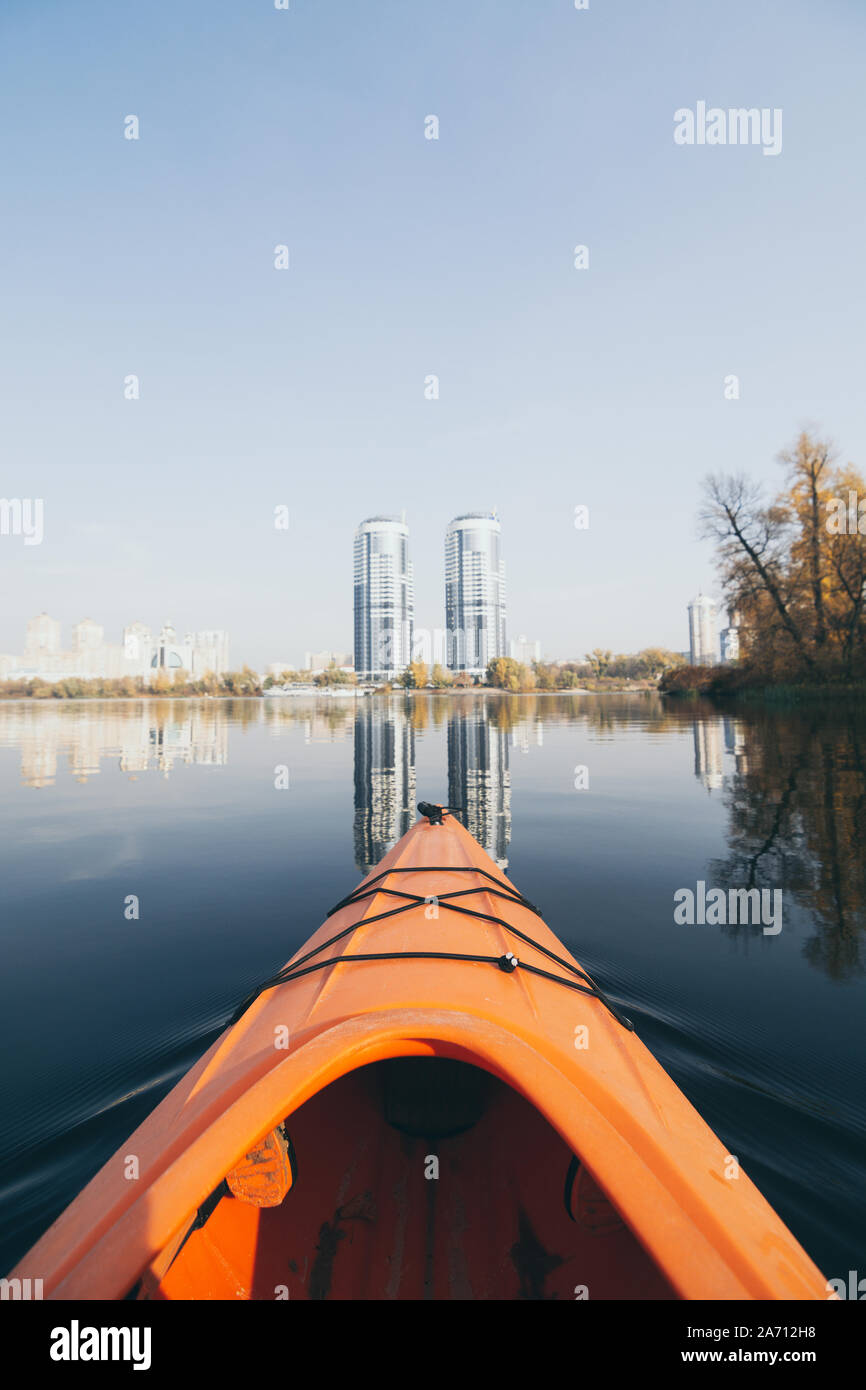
(703, 645)
(522, 650)
(474, 592)
(384, 598)
(730, 638)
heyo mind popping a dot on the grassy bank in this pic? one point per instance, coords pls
(745, 684)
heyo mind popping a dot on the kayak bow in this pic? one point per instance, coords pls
(431, 1100)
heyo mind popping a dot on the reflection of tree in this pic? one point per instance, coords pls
(609, 712)
(797, 821)
(244, 712)
(440, 707)
(419, 712)
(333, 715)
(505, 712)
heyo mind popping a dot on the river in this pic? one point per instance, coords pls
(159, 858)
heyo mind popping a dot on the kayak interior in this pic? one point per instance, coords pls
(414, 1178)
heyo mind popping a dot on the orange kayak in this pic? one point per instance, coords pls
(431, 1100)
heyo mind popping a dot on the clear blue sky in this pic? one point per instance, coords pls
(410, 257)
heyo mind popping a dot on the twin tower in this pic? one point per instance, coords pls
(474, 632)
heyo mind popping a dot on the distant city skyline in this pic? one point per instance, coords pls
(140, 654)
(408, 258)
(525, 649)
(89, 656)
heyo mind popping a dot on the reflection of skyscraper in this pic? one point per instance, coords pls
(479, 782)
(474, 592)
(384, 598)
(708, 753)
(384, 781)
(735, 743)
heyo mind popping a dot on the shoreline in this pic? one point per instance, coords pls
(773, 694)
(324, 694)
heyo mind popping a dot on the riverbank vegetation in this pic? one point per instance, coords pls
(233, 683)
(601, 670)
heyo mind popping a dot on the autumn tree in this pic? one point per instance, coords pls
(846, 563)
(504, 673)
(796, 579)
(415, 675)
(334, 675)
(546, 675)
(439, 677)
(752, 548)
(599, 660)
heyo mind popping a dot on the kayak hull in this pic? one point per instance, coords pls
(571, 1092)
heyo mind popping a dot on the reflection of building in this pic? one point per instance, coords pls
(702, 631)
(479, 782)
(333, 728)
(384, 598)
(708, 753)
(384, 781)
(735, 743)
(137, 736)
(524, 731)
(474, 592)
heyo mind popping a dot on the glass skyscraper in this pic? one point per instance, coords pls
(384, 599)
(474, 592)
(703, 644)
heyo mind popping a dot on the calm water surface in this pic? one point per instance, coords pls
(175, 802)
